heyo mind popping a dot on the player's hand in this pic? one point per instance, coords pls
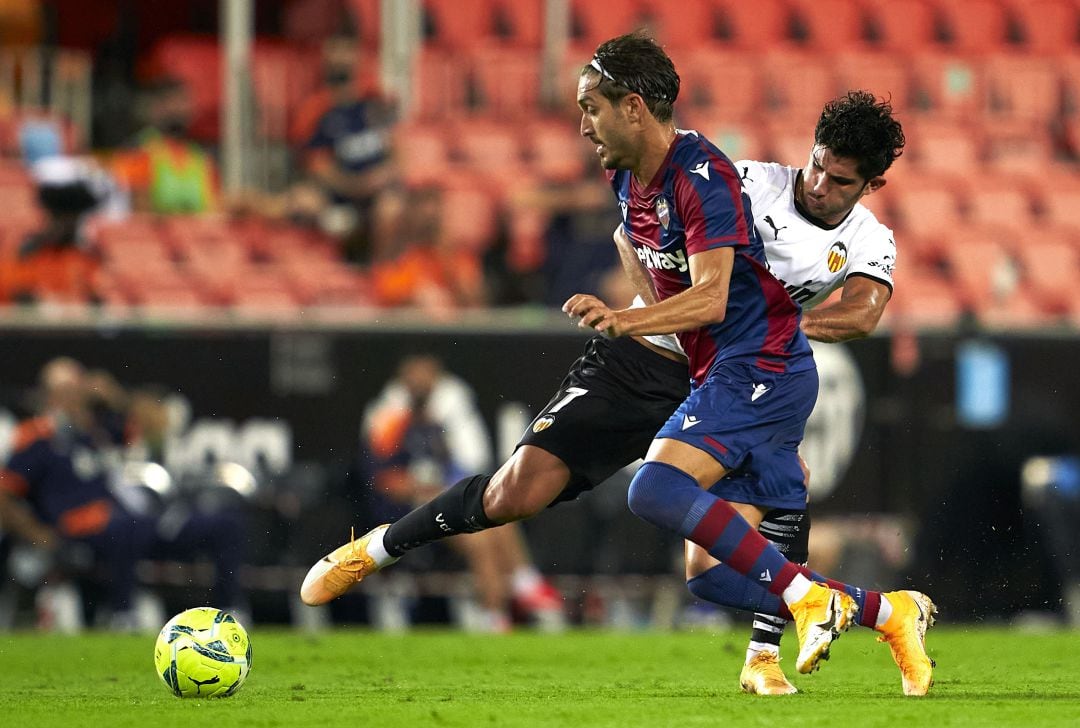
(592, 313)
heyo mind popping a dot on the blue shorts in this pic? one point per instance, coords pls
(752, 422)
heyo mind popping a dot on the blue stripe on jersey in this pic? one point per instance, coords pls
(693, 204)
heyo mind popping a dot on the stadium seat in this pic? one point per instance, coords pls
(900, 25)
(1047, 26)
(797, 85)
(974, 26)
(1061, 207)
(789, 143)
(1051, 267)
(681, 26)
(927, 211)
(1023, 149)
(196, 60)
(923, 297)
(944, 148)
(757, 26)
(468, 218)
(884, 74)
(947, 85)
(737, 139)
(455, 25)
(725, 84)
(507, 82)
(1023, 88)
(556, 151)
(1004, 207)
(828, 24)
(423, 152)
(520, 23)
(591, 22)
(440, 84)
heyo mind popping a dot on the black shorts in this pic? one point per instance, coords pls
(607, 410)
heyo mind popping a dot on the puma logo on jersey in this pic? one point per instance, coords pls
(775, 230)
(746, 175)
(689, 421)
(663, 261)
(759, 389)
(702, 169)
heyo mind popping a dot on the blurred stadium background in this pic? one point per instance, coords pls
(274, 314)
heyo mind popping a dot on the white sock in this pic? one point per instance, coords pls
(756, 648)
(884, 612)
(377, 551)
(525, 579)
(796, 590)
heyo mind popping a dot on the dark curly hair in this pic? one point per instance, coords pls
(859, 126)
(635, 63)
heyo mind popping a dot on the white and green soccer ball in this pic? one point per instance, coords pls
(202, 653)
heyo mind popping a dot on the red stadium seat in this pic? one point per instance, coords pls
(520, 23)
(684, 25)
(798, 85)
(557, 151)
(423, 152)
(440, 84)
(591, 22)
(927, 211)
(1051, 268)
(468, 218)
(1061, 206)
(923, 297)
(901, 25)
(725, 84)
(458, 24)
(491, 150)
(196, 60)
(886, 75)
(829, 24)
(1047, 26)
(1004, 207)
(947, 86)
(789, 143)
(977, 26)
(758, 26)
(507, 82)
(945, 148)
(1023, 88)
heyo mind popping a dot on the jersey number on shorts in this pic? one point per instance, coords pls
(572, 393)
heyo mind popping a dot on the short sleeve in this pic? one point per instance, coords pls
(709, 199)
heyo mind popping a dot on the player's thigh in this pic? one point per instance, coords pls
(700, 465)
(525, 484)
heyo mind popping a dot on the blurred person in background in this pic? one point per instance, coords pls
(425, 432)
(428, 271)
(58, 261)
(166, 171)
(346, 147)
(58, 494)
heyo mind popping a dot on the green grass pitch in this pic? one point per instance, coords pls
(985, 677)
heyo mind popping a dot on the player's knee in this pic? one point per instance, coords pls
(507, 499)
(649, 494)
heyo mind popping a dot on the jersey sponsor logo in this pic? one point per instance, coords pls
(663, 213)
(775, 230)
(689, 421)
(800, 294)
(543, 423)
(663, 261)
(759, 389)
(702, 169)
(837, 256)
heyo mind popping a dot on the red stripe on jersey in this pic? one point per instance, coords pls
(719, 446)
(781, 319)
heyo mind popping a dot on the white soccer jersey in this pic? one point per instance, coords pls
(813, 261)
(810, 261)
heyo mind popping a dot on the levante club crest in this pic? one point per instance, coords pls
(662, 212)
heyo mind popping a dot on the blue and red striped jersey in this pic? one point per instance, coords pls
(695, 203)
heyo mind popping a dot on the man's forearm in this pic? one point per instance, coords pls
(842, 321)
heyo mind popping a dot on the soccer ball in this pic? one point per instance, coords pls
(202, 653)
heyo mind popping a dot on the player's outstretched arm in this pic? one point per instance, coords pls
(856, 315)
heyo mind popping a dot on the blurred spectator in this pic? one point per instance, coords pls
(57, 495)
(166, 171)
(58, 261)
(345, 147)
(425, 432)
(430, 272)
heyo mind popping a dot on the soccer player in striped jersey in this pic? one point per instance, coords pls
(636, 383)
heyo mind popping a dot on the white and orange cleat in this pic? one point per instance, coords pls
(905, 632)
(820, 617)
(342, 568)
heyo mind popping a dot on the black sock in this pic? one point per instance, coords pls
(458, 509)
(789, 531)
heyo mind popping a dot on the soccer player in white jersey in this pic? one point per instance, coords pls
(818, 238)
(619, 393)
